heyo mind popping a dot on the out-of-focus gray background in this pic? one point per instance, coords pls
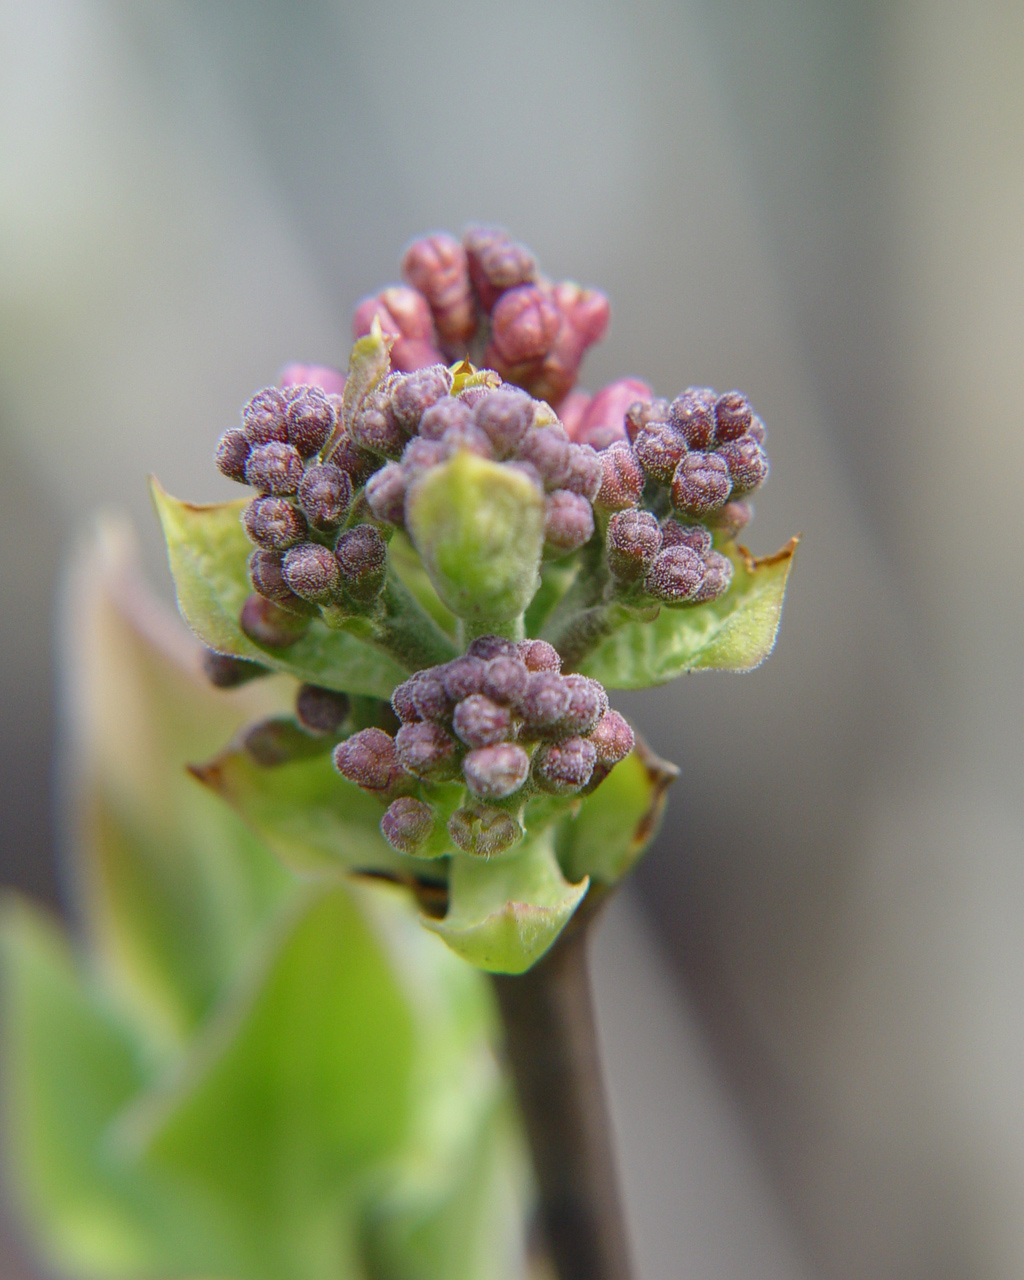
(813, 1004)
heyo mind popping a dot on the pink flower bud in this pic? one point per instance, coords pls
(613, 738)
(370, 760)
(568, 522)
(479, 722)
(572, 410)
(623, 480)
(496, 262)
(538, 655)
(605, 419)
(492, 773)
(565, 767)
(524, 325)
(407, 824)
(331, 381)
(587, 311)
(404, 315)
(438, 268)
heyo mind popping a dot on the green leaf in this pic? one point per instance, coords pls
(505, 912)
(618, 820)
(209, 553)
(479, 529)
(734, 633)
(405, 561)
(368, 364)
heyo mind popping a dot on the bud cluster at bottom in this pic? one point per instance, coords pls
(503, 722)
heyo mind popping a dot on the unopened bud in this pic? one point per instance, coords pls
(584, 472)
(437, 266)
(586, 311)
(547, 450)
(266, 573)
(407, 824)
(747, 463)
(402, 701)
(429, 696)
(733, 518)
(641, 412)
(325, 496)
(568, 522)
(701, 484)
(524, 325)
(277, 741)
(232, 454)
(370, 760)
(225, 671)
(424, 749)
(538, 655)
(274, 468)
(310, 420)
(693, 414)
(545, 701)
(489, 647)
(505, 416)
(463, 677)
(492, 773)
(321, 711)
(675, 576)
(375, 427)
(264, 417)
(587, 704)
(564, 767)
(273, 523)
(479, 722)
(330, 381)
(757, 429)
(604, 422)
(362, 556)
(717, 577)
(312, 572)
(660, 448)
(385, 492)
(505, 678)
(694, 536)
(732, 416)
(622, 483)
(467, 436)
(496, 262)
(414, 393)
(483, 830)
(443, 414)
(357, 463)
(267, 624)
(634, 539)
(613, 738)
(404, 315)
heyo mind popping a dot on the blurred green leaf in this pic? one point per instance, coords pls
(734, 633)
(209, 553)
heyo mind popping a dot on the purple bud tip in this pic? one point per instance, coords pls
(407, 824)
(375, 428)
(492, 773)
(483, 830)
(264, 417)
(505, 416)
(355, 462)
(547, 450)
(488, 647)
(267, 624)
(757, 429)
(369, 759)
(328, 380)
(273, 523)
(524, 325)
(660, 448)
(443, 415)
(545, 701)
(694, 536)
(693, 413)
(232, 454)
(643, 411)
(747, 463)
(604, 422)
(568, 522)
(505, 679)
(425, 750)
(325, 496)
(274, 468)
(479, 722)
(623, 481)
(468, 436)
(613, 738)
(310, 420)
(403, 703)
(463, 677)
(312, 572)
(675, 576)
(733, 416)
(321, 711)
(564, 767)
(584, 472)
(225, 671)
(634, 539)
(717, 577)
(587, 704)
(362, 556)
(414, 393)
(429, 696)
(733, 518)
(538, 655)
(701, 484)
(266, 573)
(385, 493)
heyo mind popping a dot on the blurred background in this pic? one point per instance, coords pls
(813, 998)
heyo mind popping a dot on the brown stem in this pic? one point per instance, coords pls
(551, 1042)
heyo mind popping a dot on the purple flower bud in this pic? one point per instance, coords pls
(420, 455)
(405, 316)
(463, 677)
(587, 704)
(273, 523)
(757, 430)
(505, 679)
(584, 472)
(375, 427)
(274, 468)
(732, 416)
(545, 701)
(483, 830)
(613, 738)
(370, 760)
(693, 413)
(694, 536)
(225, 671)
(385, 492)
(407, 824)
(623, 481)
(232, 454)
(524, 325)
(479, 722)
(264, 417)
(355, 462)
(488, 647)
(312, 572)
(325, 496)
(717, 577)
(277, 741)
(321, 711)
(634, 539)
(675, 576)
(604, 422)
(733, 517)
(492, 773)
(468, 436)
(266, 573)
(310, 420)
(538, 655)
(429, 696)
(328, 380)
(424, 749)
(362, 556)
(438, 268)
(701, 484)
(548, 451)
(447, 412)
(568, 522)
(747, 463)
(414, 393)
(267, 624)
(660, 447)
(641, 412)
(505, 416)
(403, 703)
(496, 262)
(564, 767)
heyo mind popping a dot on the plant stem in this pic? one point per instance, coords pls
(551, 1042)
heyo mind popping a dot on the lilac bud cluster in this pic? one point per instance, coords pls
(501, 719)
(304, 556)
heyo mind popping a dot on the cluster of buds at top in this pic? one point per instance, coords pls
(484, 298)
(503, 722)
